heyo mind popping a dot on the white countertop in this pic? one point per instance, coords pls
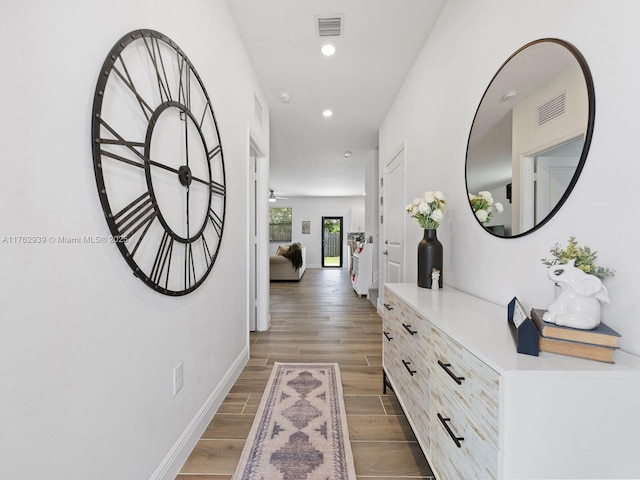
(482, 328)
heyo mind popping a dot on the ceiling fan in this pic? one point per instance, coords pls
(273, 198)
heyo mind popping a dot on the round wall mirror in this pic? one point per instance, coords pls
(530, 137)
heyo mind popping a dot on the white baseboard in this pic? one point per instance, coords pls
(173, 461)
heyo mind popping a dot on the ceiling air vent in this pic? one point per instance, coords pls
(329, 25)
(554, 108)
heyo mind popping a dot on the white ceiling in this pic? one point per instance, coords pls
(381, 39)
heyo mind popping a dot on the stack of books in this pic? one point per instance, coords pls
(597, 344)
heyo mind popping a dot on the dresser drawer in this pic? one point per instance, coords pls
(470, 381)
(414, 329)
(410, 330)
(389, 335)
(390, 345)
(406, 361)
(390, 303)
(415, 391)
(411, 384)
(459, 447)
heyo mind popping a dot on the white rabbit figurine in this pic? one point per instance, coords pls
(578, 305)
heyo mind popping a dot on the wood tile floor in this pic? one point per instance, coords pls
(319, 319)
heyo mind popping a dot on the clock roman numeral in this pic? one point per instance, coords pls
(215, 151)
(189, 266)
(207, 253)
(162, 263)
(126, 79)
(135, 215)
(217, 188)
(184, 86)
(153, 49)
(138, 214)
(204, 114)
(216, 221)
(120, 141)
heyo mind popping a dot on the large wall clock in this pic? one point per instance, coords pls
(158, 162)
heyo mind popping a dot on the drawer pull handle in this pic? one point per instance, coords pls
(406, 365)
(455, 439)
(446, 366)
(408, 329)
(386, 334)
(387, 306)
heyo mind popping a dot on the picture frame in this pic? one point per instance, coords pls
(523, 330)
(306, 227)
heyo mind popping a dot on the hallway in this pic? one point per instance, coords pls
(319, 319)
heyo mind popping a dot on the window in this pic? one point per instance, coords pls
(280, 224)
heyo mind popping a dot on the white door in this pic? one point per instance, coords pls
(545, 177)
(553, 176)
(393, 219)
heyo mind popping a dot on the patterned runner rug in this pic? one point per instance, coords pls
(300, 431)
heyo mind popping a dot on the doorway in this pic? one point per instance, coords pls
(253, 239)
(331, 242)
(257, 241)
(545, 178)
(554, 170)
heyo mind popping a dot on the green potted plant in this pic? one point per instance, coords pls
(584, 258)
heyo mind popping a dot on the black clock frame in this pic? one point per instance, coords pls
(143, 210)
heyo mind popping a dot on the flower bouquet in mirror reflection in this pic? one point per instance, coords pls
(484, 207)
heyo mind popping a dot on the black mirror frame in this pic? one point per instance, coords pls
(587, 139)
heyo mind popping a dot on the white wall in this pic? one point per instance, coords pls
(313, 209)
(87, 350)
(434, 111)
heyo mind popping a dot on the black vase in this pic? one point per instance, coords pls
(429, 257)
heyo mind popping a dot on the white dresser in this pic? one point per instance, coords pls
(480, 410)
(361, 272)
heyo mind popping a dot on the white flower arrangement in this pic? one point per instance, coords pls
(484, 206)
(429, 209)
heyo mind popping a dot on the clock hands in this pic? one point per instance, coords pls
(216, 188)
(188, 251)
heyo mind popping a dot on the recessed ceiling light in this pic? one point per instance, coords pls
(328, 49)
(327, 112)
(285, 97)
(347, 154)
(510, 95)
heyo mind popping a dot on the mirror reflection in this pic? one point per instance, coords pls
(530, 137)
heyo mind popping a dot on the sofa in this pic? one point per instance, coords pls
(282, 264)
